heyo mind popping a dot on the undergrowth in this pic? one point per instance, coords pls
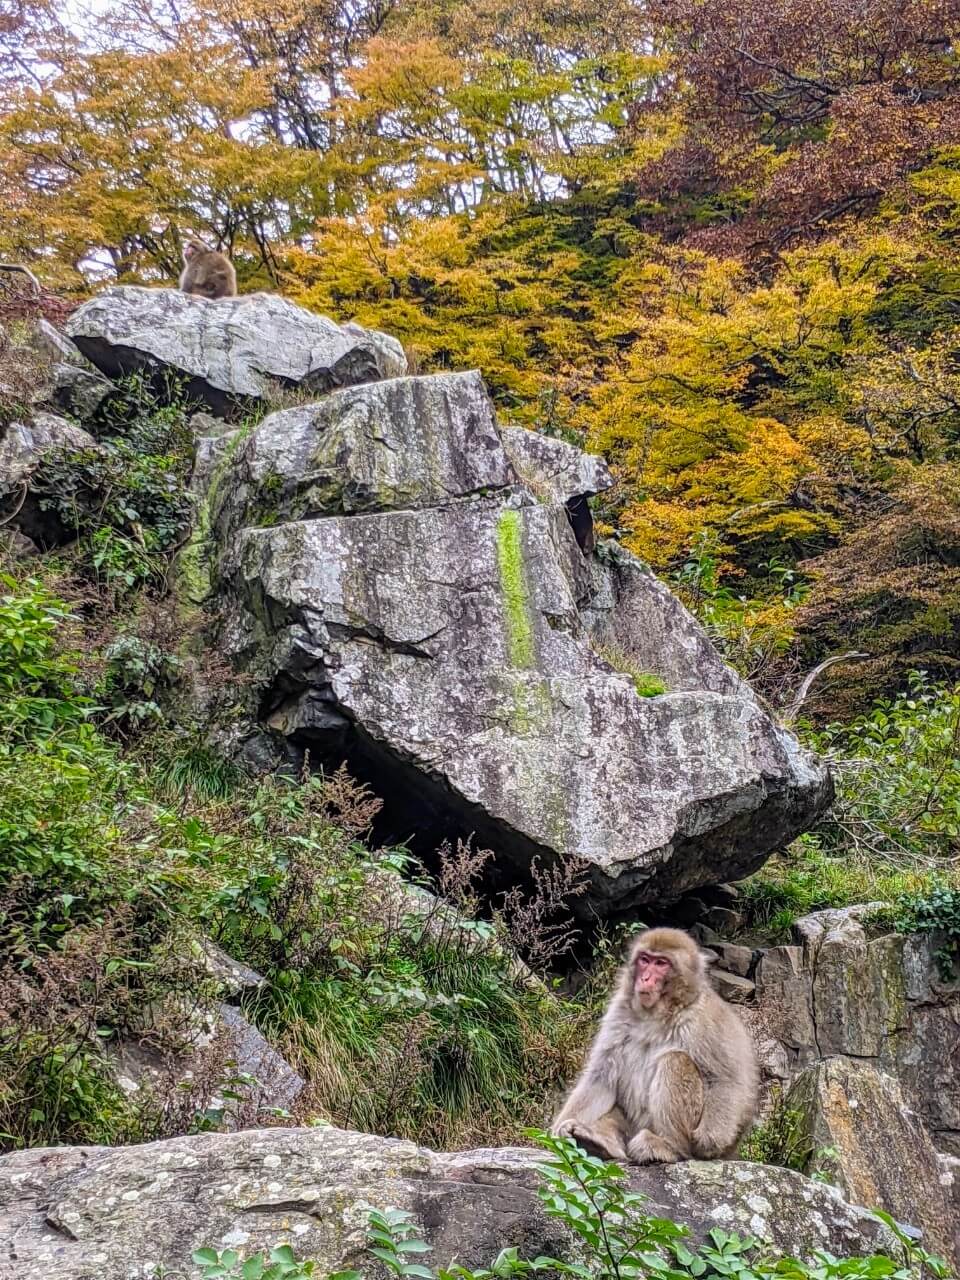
(125, 840)
(893, 833)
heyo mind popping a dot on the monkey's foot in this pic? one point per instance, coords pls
(596, 1141)
(647, 1147)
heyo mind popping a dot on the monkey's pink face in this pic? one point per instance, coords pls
(189, 249)
(651, 971)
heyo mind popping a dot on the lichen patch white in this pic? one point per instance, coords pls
(235, 1237)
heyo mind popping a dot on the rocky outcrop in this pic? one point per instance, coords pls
(840, 992)
(23, 446)
(408, 602)
(85, 1212)
(73, 385)
(877, 1150)
(231, 353)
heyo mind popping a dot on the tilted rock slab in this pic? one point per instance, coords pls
(233, 351)
(96, 1213)
(878, 1151)
(409, 605)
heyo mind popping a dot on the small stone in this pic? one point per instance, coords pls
(725, 920)
(735, 959)
(732, 987)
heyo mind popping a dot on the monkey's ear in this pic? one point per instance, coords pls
(710, 957)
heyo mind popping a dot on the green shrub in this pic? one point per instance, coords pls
(38, 693)
(127, 500)
(898, 777)
(937, 912)
(137, 672)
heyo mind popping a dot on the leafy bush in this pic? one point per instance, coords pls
(362, 970)
(137, 671)
(37, 689)
(939, 913)
(615, 1240)
(128, 499)
(894, 830)
(898, 777)
(110, 865)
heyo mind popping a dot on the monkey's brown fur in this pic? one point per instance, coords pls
(668, 1080)
(206, 272)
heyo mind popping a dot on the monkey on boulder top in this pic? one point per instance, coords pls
(672, 1073)
(207, 273)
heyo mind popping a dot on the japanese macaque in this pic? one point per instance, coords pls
(672, 1073)
(207, 272)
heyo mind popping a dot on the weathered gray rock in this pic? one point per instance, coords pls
(412, 608)
(732, 987)
(880, 1154)
(453, 637)
(233, 977)
(735, 959)
(553, 470)
(277, 1085)
(246, 1079)
(407, 442)
(784, 991)
(232, 351)
(16, 546)
(210, 453)
(23, 444)
(882, 999)
(71, 383)
(80, 392)
(91, 1213)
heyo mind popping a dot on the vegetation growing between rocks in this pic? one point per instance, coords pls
(117, 856)
(892, 835)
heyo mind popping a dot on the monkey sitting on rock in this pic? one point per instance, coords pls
(672, 1073)
(206, 272)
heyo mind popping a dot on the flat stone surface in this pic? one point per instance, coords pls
(231, 351)
(92, 1213)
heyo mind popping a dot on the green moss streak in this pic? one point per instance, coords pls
(516, 604)
(195, 562)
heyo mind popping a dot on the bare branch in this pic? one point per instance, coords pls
(807, 683)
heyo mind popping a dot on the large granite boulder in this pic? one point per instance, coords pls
(230, 353)
(94, 1213)
(877, 1150)
(405, 601)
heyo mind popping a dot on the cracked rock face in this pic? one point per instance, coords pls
(114, 1214)
(881, 1000)
(411, 596)
(880, 1152)
(231, 352)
